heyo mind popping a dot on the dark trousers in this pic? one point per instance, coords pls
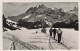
(50, 33)
(59, 37)
(54, 35)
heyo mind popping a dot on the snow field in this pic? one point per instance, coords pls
(70, 38)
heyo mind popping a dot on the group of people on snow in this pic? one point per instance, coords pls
(54, 32)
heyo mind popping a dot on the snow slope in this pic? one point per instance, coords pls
(70, 39)
(26, 17)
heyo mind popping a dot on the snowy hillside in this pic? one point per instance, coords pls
(26, 17)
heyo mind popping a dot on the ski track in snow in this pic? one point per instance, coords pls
(43, 40)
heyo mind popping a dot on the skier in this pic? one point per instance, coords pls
(59, 32)
(54, 32)
(44, 30)
(12, 45)
(50, 31)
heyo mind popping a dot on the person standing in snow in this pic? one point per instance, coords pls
(44, 30)
(50, 31)
(54, 32)
(59, 32)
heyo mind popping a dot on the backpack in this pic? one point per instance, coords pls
(59, 31)
(50, 30)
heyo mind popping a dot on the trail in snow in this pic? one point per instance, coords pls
(22, 45)
(43, 40)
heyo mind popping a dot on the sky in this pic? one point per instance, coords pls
(17, 8)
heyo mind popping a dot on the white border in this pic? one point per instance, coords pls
(1, 11)
(40, 0)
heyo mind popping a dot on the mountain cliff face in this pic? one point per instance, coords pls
(73, 11)
(49, 15)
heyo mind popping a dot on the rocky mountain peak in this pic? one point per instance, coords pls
(75, 9)
(41, 6)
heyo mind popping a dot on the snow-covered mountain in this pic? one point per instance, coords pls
(9, 24)
(74, 11)
(49, 15)
(10, 21)
(36, 13)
